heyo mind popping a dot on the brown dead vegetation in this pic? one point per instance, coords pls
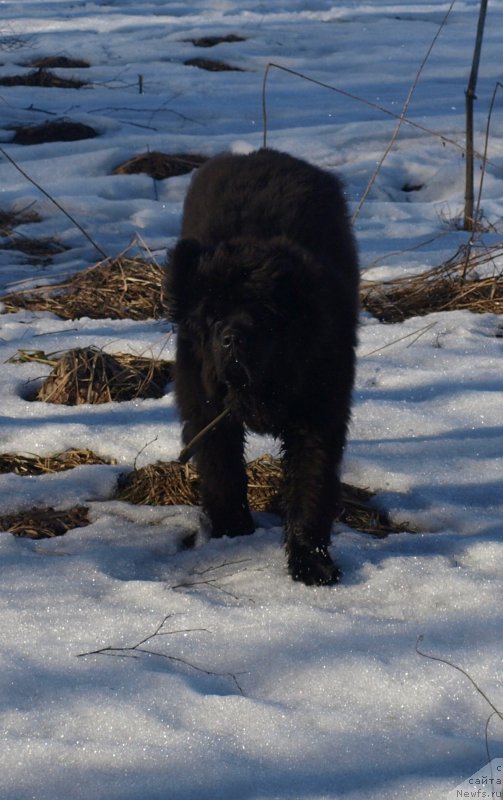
(44, 523)
(116, 288)
(58, 62)
(131, 288)
(160, 165)
(89, 375)
(43, 78)
(31, 464)
(54, 131)
(211, 41)
(211, 65)
(12, 218)
(459, 284)
(37, 248)
(172, 483)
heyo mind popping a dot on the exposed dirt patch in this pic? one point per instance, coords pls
(42, 77)
(161, 165)
(211, 41)
(211, 65)
(412, 187)
(37, 248)
(58, 62)
(58, 131)
(11, 218)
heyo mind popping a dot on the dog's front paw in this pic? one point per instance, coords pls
(312, 567)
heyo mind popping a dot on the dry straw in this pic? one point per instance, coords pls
(32, 464)
(89, 375)
(172, 483)
(117, 288)
(457, 284)
(160, 165)
(42, 77)
(131, 288)
(44, 523)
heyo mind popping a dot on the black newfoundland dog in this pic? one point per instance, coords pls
(263, 286)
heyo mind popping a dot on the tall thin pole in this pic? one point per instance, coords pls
(470, 97)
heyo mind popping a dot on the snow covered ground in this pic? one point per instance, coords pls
(261, 688)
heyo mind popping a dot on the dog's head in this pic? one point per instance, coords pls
(242, 304)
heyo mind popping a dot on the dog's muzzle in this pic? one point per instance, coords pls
(236, 375)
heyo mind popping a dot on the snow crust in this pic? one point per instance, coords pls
(259, 688)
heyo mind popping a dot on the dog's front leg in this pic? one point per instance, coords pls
(223, 483)
(310, 462)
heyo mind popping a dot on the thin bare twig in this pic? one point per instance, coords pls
(213, 582)
(189, 449)
(55, 202)
(402, 115)
(132, 650)
(382, 109)
(463, 672)
(418, 333)
(484, 157)
(494, 712)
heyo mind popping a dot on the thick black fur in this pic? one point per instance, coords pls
(263, 286)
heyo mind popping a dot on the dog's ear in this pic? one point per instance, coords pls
(181, 288)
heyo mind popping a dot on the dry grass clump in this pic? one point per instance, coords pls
(211, 65)
(42, 77)
(357, 512)
(28, 464)
(172, 483)
(160, 165)
(58, 62)
(162, 484)
(39, 251)
(265, 484)
(116, 288)
(89, 375)
(211, 41)
(44, 523)
(455, 285)
(63, 130)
